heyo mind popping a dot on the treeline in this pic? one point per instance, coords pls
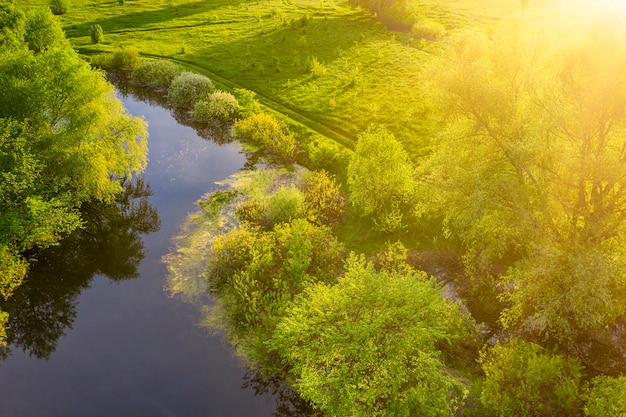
(524, 183)
(65, 139)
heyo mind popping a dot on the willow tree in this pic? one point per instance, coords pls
(530, 170)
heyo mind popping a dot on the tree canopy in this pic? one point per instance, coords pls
(530, 172)
(367, 346)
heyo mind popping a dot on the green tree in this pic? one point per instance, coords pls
(255, 273)
(97, 34)
(187, 88)
(605, 397)
(267, 131)
(59, 7)
(43, 30)
(380, 174)
(11, 26)
(65, 139)
(523, 379)
(367, 346)
(530, 169)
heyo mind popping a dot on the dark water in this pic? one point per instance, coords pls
(94, 334)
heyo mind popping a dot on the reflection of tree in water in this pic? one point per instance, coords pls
(110, 244)
(288, 402)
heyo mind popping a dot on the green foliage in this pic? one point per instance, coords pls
(325, 154)
(12, 272)
(254, 274)
(3, 334)
(157, 73)
(380, 174)
(317, 68)
(188, 88)
(523, 379)
(11, 26)
(265, 130)
(528, 170)
(428, 29)
(393, 259)
(605, 397)
(65, 139)
(285, 205)
(125, 59)
(97, 34)
(325, 204)
(218, 106)
(42, 30)
(366, 346)
(59, 7)
(248, 105)
(395, 14)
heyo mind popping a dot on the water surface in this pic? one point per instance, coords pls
(98, 336)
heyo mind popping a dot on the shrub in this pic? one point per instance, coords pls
(188, 88)
(267, 131)
(285, 205)
(42, 30)
(220, 106)
(59, 7)
(328, 155)
(248, 105)
(97, 35)
(125, 60)
(428, 30)
(156, 73)
(324, 202)
(606, 397)
(316, 68)
(523, 379)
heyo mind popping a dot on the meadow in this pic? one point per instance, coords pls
(327, 66)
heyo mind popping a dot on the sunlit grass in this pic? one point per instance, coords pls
(370, 75)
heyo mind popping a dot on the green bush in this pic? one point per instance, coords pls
(317, 68)
(255, 273)
(248, 105)
(328, 155)
(97, 34)
(523, 379)
(324, 202)
(188, 88)
(267, 131)
(156, 73)
(428, 30)
(285, 205)
(125, 60)
(42, 30)
(59, 7)
(220, 105)
(606, 396)
(368, 345)
(13, 269)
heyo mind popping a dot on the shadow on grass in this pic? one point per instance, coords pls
(130, 21)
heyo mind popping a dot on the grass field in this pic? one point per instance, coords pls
(322, 63)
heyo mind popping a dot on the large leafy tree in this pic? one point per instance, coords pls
(380, 175)
(368, 345)
(530, 172)
(65, 138)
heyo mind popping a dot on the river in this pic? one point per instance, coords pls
(95, 334)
